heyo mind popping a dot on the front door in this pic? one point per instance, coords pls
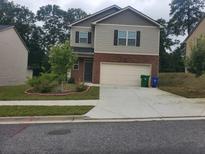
(88, 71)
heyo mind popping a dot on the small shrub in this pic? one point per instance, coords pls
(44, 83)
(71, 80)
(81, 87)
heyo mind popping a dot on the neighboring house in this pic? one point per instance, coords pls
(197, 32)
(115, 46)
(13, 57)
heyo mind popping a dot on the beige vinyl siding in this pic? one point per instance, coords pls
(74, 29)
(104, 37)
(200, 30)
(128, 17)
(13, 59)
(122, 74)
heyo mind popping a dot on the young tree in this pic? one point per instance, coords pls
(185, 14)
(61, 59)
(196, 61)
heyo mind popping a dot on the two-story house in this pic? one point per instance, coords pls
(115, 46)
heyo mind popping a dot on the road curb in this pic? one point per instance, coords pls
(39, 119)
(84, 119)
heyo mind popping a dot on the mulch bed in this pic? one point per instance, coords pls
(65, 93)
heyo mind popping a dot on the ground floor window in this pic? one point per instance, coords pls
(76, 66)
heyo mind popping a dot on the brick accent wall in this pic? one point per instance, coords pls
(78, 75)
(123, 58)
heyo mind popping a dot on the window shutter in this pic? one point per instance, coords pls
(76, 37)
(89, 37)
(115, 37)
(138, 38)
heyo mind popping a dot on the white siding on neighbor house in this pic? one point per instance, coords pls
(74, 29)
(104, 37)
(13, 59)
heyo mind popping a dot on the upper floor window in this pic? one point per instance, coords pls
(127, 38)
(83, 37)
(122, 37)
(131, 41)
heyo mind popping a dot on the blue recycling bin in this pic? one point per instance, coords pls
(154, 82)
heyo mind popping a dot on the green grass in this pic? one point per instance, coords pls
(17, 93)
(183, 84)
(10, 111)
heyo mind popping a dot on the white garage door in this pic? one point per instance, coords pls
(123, 74)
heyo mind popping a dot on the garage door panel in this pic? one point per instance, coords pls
(123, 74)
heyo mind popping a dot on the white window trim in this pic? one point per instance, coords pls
(80, 37)
(119, 38)
(127, 38)
(78, 63)
(135, 39)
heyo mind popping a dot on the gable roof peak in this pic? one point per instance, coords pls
(94, 14)
(132, 9)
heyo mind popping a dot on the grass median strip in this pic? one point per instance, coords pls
(11, 111)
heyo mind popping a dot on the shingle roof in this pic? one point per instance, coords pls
(2, 27)
(92, 15)
(132, 9)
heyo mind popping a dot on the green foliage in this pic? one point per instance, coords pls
(61, 59)
(44, 83)
(55, 23)
(81, 87)
(74, 15)
(185, 14)
(169, 61)
(54, 26)
(71, 80)
(196, 61)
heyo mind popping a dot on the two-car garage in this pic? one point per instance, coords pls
(123, 74)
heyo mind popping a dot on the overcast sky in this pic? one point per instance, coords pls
(153, 8)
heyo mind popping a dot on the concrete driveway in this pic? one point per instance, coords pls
(132, 102)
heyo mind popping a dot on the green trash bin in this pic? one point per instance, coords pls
(145, 80)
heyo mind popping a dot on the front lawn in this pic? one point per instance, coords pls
(10, 111)
(183, 84)
(17, 93)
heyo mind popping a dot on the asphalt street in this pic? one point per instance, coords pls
(156, 137)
